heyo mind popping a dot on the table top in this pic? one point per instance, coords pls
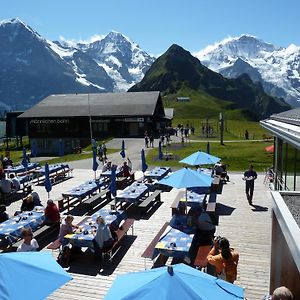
(175, 243)
(85, 189)
(108, 173)
(157, 173)
(21, 168)
(205, 171)
(180, 222)
(12, 227)
(133, 192)
(53, 168)
(24, 179)
(193, 198)
(84, 236)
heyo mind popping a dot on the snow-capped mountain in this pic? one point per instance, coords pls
(277, 68)
(123, 60)
(31, 67)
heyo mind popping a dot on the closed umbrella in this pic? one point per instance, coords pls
(208, 148)
(172, 282)
(61, 148)
(48, 185)
(33, 148)
(30, 275)
(95, 163)
(122, 153)
(160, 153)
(25, 159)
(144, 165)
(200, 158)
(113, 182)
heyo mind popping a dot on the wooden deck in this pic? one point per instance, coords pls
(247, 228)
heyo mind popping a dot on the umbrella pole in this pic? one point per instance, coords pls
(186, 201)
(95, 174)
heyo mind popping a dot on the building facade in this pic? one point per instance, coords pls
(285, 252)
(75, 119)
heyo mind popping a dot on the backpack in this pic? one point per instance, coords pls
(64, 256)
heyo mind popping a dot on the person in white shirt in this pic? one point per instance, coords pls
(15, 182)
(5, 185)
(106, 167)
(29, 244)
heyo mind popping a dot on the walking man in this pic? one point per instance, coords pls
(249, 177)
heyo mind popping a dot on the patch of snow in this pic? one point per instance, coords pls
(62, 52)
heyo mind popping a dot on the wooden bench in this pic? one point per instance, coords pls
(148, 253)
(150, 201)
(90, 203)
(40, 235)
(120, 232)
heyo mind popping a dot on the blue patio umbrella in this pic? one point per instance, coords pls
(25, 159)
(48, 185)
(160, 153)
(122, 153)
(19, 271)
(172, 282)
(33, 148)
(200, 158)
(61, 148)
(144, 165)
(95, 163)
(186, 178)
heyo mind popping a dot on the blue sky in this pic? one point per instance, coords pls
(155, 25)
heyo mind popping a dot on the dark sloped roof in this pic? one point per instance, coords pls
(104, 104)
(291, 116)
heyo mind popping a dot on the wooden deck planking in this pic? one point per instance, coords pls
(248, 231)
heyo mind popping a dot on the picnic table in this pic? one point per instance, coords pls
(193, 198)
(180, 222)
(157, 173)
(21, 169)
(205, 171)
(108, 173)
(12, 228)
(174, 243)
(84, 190)
(83, 237)
(56, 170)
(132, 193)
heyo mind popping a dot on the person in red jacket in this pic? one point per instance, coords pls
(52, 215)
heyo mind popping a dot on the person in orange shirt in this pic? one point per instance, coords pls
(224, 259)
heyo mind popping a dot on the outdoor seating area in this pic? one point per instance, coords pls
(146, 232)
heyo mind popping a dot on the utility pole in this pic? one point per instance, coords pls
(221, 121)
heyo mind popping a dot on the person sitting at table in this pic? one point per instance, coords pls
(106, 167)
(66, 228)
(206, 229)
(27, 204)
(36, 199)
(52, 215)
(224, 259)
(126, 170)
(7, 162)
(15, 182)
(103, 240)
(5, 185)
(29, 243)
(3, 214)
